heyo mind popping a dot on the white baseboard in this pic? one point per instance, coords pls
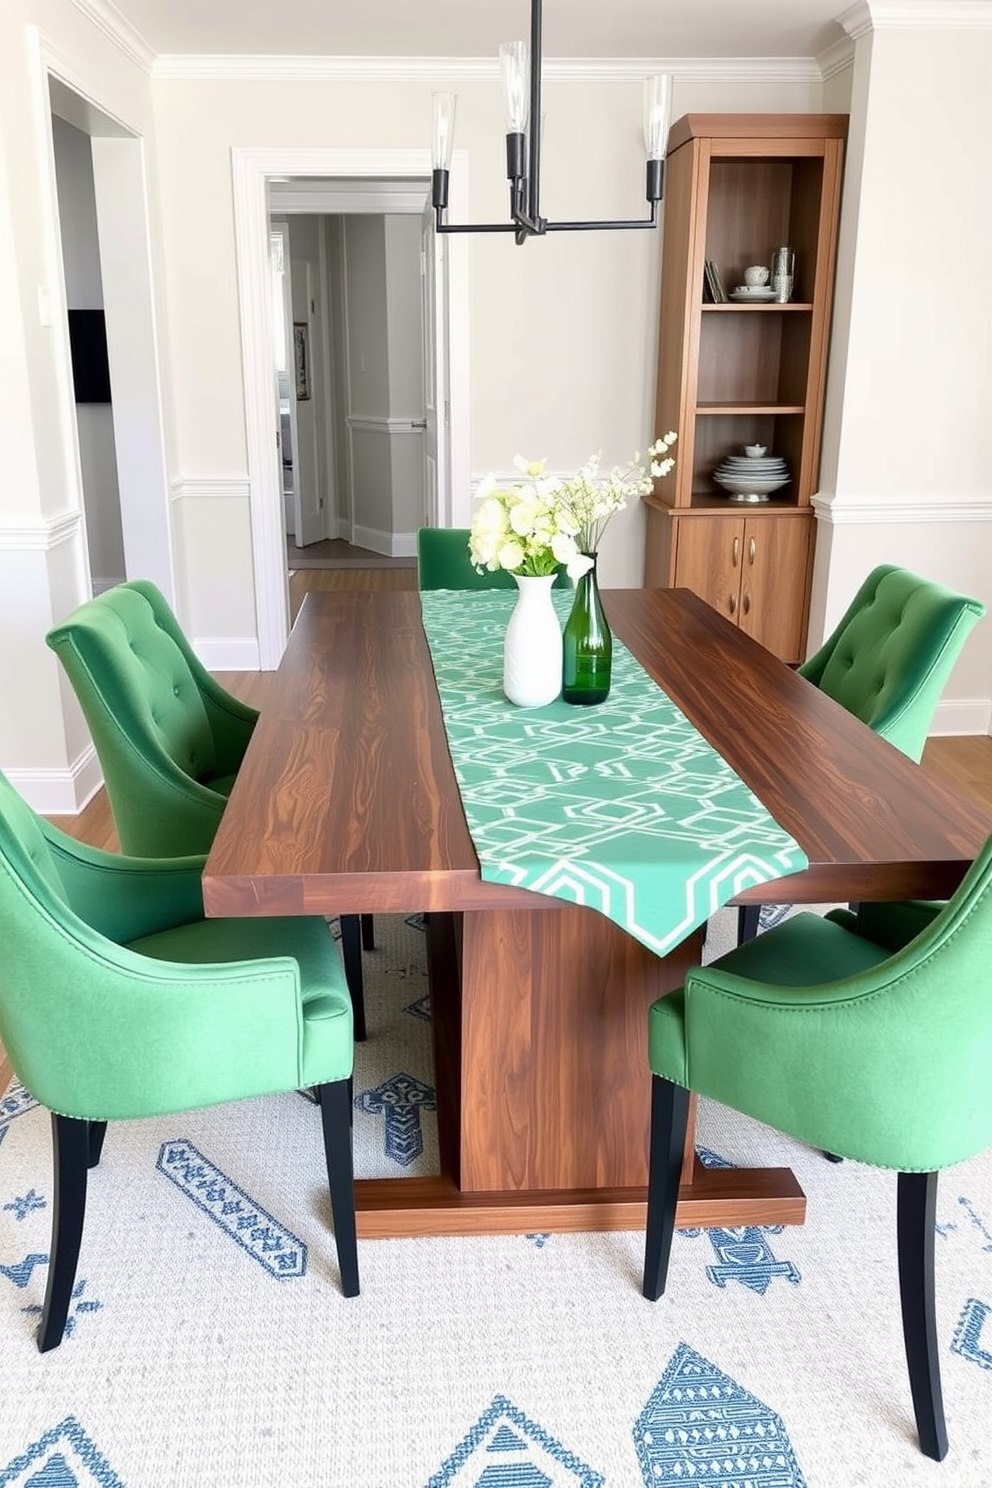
(228, 653)
(959, 716)
(60, 792)
(389, 544)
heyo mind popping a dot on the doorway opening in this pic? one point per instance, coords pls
(357, 178)
(116, 453)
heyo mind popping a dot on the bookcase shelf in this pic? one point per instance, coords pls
(732, 374)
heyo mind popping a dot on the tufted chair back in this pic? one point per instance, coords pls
(890, 656)
(168, 737)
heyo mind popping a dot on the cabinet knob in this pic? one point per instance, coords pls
(732, 603)
(746, 603)
(737, 551)
(751, 550)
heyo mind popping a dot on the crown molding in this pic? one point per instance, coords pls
(836, 58)
(248, 69)
(932, 15)
(118, 29)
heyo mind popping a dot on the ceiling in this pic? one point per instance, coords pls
(474, 28)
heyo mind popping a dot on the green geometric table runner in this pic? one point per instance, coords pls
(623, 807)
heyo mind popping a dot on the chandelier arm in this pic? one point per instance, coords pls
(470, 227)
(651, 221)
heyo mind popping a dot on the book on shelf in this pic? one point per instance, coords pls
(709, 293)
(719, 291)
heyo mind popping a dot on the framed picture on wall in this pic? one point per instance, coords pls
(301, 358)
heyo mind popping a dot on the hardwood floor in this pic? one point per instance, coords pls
(346, 580)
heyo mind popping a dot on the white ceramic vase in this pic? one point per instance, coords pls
(532, 645)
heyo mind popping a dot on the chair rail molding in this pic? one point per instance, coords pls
(236, 487)
(251, 170)
(865, 508)
(372, 423)
(41, 535)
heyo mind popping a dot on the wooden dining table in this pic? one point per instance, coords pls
(347, 803)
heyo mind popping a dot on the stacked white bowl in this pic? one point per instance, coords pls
(753, 475)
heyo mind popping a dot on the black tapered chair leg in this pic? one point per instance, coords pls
(916, 1213)
(669, 1118)
(368, 933)
(70, 1161)
(351, 951)
(335, 1116)
(98, 1130)
(748, 916)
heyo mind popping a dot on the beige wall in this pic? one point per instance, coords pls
(907, 469)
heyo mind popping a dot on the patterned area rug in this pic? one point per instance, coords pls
(209, 1344)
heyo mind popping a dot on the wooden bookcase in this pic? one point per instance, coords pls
(735, 374)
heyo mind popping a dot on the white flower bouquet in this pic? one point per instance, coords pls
(523, 528)
(535, 526)
(590, 499)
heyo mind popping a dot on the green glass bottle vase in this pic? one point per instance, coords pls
(587, 656)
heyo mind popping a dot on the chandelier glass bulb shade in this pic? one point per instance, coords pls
(520, 80)
(657, 113)
(514, 76)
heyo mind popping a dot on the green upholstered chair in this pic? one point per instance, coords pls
(168, 737)
(119, 1000)
(443, 562)
(868, 1034)
(887, 662)
(892, 652)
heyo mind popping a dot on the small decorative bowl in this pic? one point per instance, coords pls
(756, 450)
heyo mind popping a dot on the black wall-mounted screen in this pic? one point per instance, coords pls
(88, 343)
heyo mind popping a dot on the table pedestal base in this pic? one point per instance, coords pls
(543, 1089)
(393, 1207)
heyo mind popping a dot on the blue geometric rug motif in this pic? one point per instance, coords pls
(63, 1458)
(421, 1008)
(744, 1255)
(21, 1205)
(267, 1241)
(504, 1449)
(20, 1272)
(83, 1306)
(14, 1102)
(969, 1330)
(701, 1426)
(400, 1099)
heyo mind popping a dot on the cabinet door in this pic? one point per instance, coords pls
(708, 560)
(773, 571)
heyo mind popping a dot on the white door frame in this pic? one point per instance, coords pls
(252, 169)
(121, 193)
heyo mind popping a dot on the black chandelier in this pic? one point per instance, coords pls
(520, 74)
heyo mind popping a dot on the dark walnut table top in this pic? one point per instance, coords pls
(347, 802)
